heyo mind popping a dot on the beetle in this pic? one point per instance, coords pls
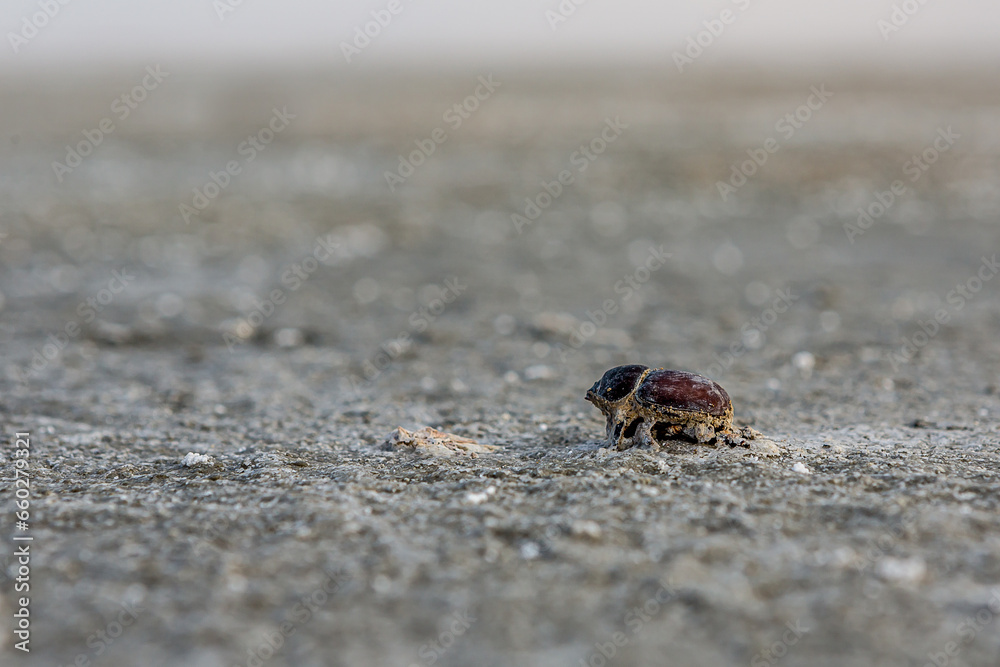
(648, 406)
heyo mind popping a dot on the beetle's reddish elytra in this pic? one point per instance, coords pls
(649, 406)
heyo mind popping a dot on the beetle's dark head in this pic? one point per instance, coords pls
(616, 384)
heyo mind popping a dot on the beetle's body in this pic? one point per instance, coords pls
(649, 406)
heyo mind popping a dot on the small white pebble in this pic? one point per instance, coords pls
(539, 372)
(381, 584)
(169, 305)
(236, 583)
(530, 551)
(801, 468)
(541, 349)
(804, 361)
(901, 570)
(289, 337)
(511, 377)
(590, 529)
(843, 557)
(193, 459)
(366, 290)
(505, 324)
(727, 259)
(476, 497)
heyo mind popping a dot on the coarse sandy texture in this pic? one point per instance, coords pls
(874, 532)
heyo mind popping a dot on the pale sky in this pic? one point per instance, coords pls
(779, 32)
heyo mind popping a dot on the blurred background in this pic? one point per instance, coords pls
(782, 34)
(270, 233)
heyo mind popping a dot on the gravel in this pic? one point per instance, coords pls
(208, 401)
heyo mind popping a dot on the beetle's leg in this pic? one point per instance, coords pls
(661, 431)
(643, 436)
(732, 438)
(700, 432)
(616, 438)
(610, 428)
